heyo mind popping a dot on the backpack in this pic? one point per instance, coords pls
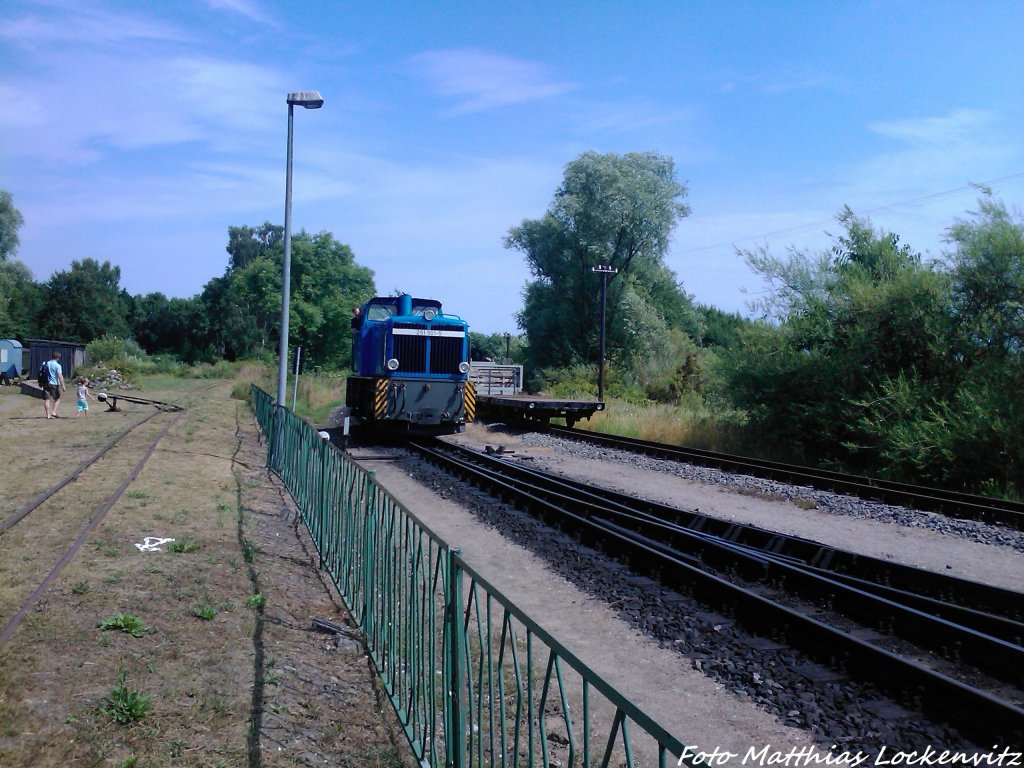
(44, 375)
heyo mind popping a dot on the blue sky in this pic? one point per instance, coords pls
(139, 132)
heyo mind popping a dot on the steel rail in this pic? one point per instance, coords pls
(9, 628)
(946, 597)
(1004, 659)
(1001, 658)
(950, 503)
(976, 712)
(20, 514)
(988, 599)
(987, 623)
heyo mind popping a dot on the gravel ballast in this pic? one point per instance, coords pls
(805, 703)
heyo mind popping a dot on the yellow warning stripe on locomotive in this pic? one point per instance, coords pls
(380, 398)
(469, 401)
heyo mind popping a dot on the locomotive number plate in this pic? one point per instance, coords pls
(428, 332)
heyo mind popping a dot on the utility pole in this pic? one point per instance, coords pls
(604, 271)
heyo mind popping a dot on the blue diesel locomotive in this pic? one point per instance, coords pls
(410, 366)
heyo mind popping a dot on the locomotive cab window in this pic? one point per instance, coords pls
(379, 312)
(427, 309)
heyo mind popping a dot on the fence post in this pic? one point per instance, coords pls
(369, 556)
(273, 439)
(325, 504)
(456, 738)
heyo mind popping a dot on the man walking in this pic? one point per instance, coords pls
(54, 386)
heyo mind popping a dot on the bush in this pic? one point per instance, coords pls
(242, 390)
(222, 369)
(113, 349)
(167, 365)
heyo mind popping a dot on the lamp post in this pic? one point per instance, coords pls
(604, 272)
(309, 100)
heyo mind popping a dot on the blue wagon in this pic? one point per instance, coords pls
(10, 360)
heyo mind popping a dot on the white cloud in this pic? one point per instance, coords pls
(634, 115)
(133, 102)
(480, 81)
(775, 83)
(935, 151)
(955, 128)
(81, 25)
(248, 8)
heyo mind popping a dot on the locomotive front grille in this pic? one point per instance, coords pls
(415, 346)
(411, 353)
(445, 355)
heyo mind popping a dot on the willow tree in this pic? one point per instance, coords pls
(612, 210)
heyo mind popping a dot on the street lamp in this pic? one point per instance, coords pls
(604, 271)
(309, 100)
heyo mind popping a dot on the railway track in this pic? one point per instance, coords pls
(955, 644)
(951, 503)
(45, 534)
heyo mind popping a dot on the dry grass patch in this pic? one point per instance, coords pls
(81, 707)
(114, 666)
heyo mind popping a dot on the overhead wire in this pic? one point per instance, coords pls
(911, 203)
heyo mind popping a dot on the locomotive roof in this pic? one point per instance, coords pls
(384, 308)
(393, 300)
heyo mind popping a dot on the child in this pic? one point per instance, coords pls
(84, 395)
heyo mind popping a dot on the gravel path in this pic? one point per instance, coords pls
(963, 548)
(697, 672)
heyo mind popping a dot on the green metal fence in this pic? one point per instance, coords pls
(473, 680)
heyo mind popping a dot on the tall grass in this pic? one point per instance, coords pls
(318, 395)
(315, 397)
(692, 423)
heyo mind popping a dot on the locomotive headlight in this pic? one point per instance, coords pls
(429, 314)
(463, 367)
(392, 364)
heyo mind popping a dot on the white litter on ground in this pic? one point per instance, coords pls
(152, 544)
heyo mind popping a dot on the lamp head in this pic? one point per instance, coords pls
(307, 99)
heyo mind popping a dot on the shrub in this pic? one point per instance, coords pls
(166, 365)
(110, 349)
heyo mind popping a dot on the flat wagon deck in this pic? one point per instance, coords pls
(534, 409)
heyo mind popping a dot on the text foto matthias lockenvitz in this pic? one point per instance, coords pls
(800, 757)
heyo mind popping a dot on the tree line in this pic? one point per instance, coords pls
(864, 356)
(236, 316)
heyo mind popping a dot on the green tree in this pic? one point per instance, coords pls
(327, 284)
(493, 346)
(988, 284)
(721, 329)
(244, 306)
(970, 436)
(613, 210)
(84, 303)
(247, 244)
(17, 291)
(20, 301)
(168, 326)
(846, 322)
(11, 221)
